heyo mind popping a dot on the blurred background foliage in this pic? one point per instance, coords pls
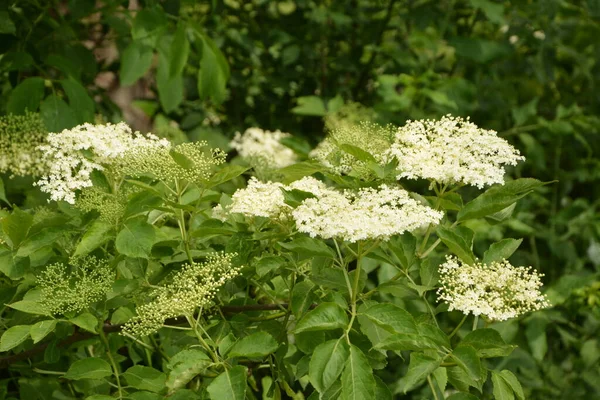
(206, 69)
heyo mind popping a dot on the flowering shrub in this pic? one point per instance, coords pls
(306, 286)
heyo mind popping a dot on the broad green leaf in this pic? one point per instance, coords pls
(56, 114)
(136, 239)
(30, 307)
(95, 235)
(501, 250)
(493, 11)
(86, 321)
(16, 226)
(498, 198)
(185, 366)
(358, 382)
(88, 368)
(513, 382)
(466, 358)
(488, 343)
(170, 87)
(382, 391)
(226, 174)
(404, 248)
(182, 160)
(6, 25)
(299, 170)
(327, 362)
(268, 264)
(43, 238)
(326, 316)
(41, 329)
(502, 390)
(14, 336)
(459, 240)
(302, 297)
(135, 61)
(357, 152)
(148, 25)
(419, 368)
(27, 95)
(179, 51)
(404, 341)
(536, 336)
(256, 345)
(212, 79)
(145, 378)
(13, 267)
(462, 396)
(310, 105)
(229, 385)
(479, 50)
(79, 100)
(392, 318)
(307, 247)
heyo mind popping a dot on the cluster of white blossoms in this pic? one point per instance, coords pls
(73, 154)
(497, 290)
(364, 214)
(193, 287)
(73, 289)
(450, 151)
(264, 148)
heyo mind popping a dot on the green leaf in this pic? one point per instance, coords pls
(502, 390)
(79, 100)
(303, 296)
(357, 152)
(501, 250)
(30, 307)
(16, 226)
(327, 362)
(170, 87)
(310, 105)
(488, 343)
(182, 160)
(86, 321)
(145, 378)
(43, 238)
(14, 336)
(226, 174)
(229, 385)
(256, 345)
(27, 95)
(459, 240)
(513, 382)
(419, 368)
(148, 25)
(136, 239)
(358, 382)
(56, 114)
(299, 170)
(498, 198)
(41, 329)
(179, 51)
(462, 396)
(6, 25)
(88, 368)
(466, 358)
(3, 192)
(536, 336)
(493, 11)
(325, 316)
(135, 61)
(212, 79)
(185, 366)
(392, 318)
(95, 235)
(404, 248)
(403, 342)
(306, 247)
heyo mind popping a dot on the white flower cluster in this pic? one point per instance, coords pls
(264, 147)
(266, 199)
(451, 150)
(193, 287)
(497, 290)
(73, 154)
(365, 214)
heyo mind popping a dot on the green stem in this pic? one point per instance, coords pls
(112, 363)
(181, 222)
(432, 387)
(193, 324)
(462, 321)
(475, 322)
(354, 293)
(44, 371)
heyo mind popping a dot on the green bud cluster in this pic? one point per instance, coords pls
(193, 287)
(110, 206)
(73, 288)
(20, 136)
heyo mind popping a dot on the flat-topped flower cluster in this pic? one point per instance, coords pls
(264, 148)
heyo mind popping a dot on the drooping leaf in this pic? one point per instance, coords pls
(135, 61)
(459, 240)
(56, 114)
(501, 250)
(311, 106)
(357, 379)
(325, 316)
(27, 95)
(79, 100)
(86, 321)
(392, 318)
(179, 51)
(145, 378)
(327, 362)
(136, 239)
(229, 385)
(41, 329)
(97, 234)
(302, 297)
(88, 368)
(466, 358)
(488, 343)
(14, 336)
(256, 345)
(419, 368)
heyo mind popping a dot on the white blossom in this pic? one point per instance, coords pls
(364, 214)
(265, 147)
(73, 154)
(450, 151)
(497, 290)
(539, 35)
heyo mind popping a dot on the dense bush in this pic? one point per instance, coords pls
(337, 261)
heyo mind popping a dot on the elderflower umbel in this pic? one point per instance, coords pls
(20, 136)
(193, 287)
(73, 154)
(264, 147)
(497, 290)
(74, 289)
(366, 214)
(451, 150)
